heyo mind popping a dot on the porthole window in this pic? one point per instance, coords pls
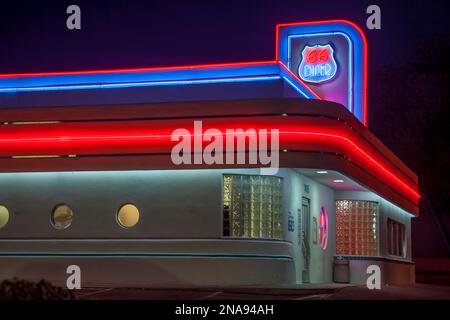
(4, 216)
(128, 215)
(62, 216)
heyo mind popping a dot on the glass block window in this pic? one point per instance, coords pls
(252, 206)
(396, 241)
(356, 227)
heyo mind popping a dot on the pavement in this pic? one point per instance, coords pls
(304, 292)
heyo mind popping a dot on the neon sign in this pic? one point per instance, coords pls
(318, 64)
(323, 228)
(348, 86)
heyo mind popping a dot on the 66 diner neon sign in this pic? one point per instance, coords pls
(318, 64)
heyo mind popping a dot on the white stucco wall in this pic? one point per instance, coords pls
(178, 239)
(319, 195)
(182, 205)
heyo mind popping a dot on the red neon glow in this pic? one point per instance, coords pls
(277, 54)
(317, 55)
(154, 136)
(172, 68)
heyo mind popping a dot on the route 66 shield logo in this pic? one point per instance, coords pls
(318, 64)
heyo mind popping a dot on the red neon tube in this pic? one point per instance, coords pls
(154, 137)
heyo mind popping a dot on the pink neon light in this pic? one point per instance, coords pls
(323, 228)
(354, 145)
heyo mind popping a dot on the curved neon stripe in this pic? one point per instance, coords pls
(164, 136)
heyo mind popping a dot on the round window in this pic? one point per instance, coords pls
(128, 215)
(4, 216)
(62, 216)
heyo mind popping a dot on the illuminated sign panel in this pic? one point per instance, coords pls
(348, 86)
(318, 64)
(323, 61)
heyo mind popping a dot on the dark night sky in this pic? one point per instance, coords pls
(117, 34)
(132, 33)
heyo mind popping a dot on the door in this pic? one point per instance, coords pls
(305, 229)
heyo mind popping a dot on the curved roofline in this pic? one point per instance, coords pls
(305, 126)
(186, 74)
